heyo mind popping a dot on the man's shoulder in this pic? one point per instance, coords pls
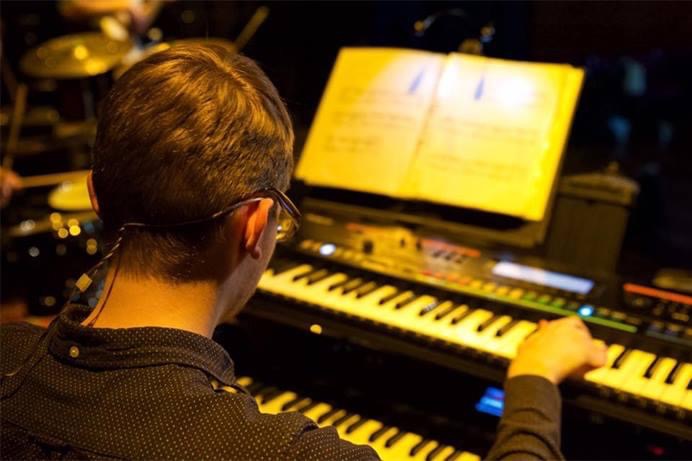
(234, 425)
(225, 403)
(16, 339)
(224, 421)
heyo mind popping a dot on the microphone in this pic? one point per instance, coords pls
(422, 25)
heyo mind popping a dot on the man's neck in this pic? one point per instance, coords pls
(148, 302)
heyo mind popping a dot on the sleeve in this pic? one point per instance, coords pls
(530, 426)
(315, 443)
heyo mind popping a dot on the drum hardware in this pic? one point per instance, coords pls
(75, 56)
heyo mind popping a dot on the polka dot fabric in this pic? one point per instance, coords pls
(140, 393)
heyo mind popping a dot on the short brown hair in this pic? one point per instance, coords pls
(180, 136)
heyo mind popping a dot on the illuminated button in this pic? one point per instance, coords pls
(489, 287)
(681, 317)
(602, 312)
(502, 291)
(476, 283)
(586, 310)
(530, 296)
(516, 293)
(617, 315)
(327, 249)
(559, 302)
(632, 320)
(544, 299)
(452, 277)
(74, 352)
(656, 327)
(464, 280)
(673, 329)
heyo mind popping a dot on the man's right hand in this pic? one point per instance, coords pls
(558, 349)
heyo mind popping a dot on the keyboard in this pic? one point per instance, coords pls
(390, 442)
(654, 378)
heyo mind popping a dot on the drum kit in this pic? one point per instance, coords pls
(53, 236)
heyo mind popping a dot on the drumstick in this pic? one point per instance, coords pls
(53, 179)
(251, 27)
(15, 125)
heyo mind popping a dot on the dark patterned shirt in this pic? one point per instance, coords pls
(159, 393)
(152, 393)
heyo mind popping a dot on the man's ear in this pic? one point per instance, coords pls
(92, 193)
(257, 220)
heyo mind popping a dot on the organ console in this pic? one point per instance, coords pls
(390, 442)
(422, 238)
(440, 301)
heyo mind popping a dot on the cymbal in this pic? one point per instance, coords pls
(74, 56)
(70, 196)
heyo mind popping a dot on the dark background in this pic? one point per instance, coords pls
(634, 109)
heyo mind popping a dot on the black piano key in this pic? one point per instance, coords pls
(506, 327)
(310, 405)
(325, 416)
(366, 289)
(485, 324)
(674, 372)
(356, 425)
(652, 368)
(379, 433)
(442, 313)
(280, 265)
(461, 315)
(317, 276)
(336, 285)
(389, 297)
(620, 358)
(342, 419)
(431, 456)
(306, 273)
(293, 402)
(352, 285)
(394, 439)
(454, 456)
(418, 447)
(406, 301)
(255, 387)
(429, 308)
(269, 394)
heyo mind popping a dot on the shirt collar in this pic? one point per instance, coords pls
(113, 348)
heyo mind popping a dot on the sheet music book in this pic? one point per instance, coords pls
(457, 129)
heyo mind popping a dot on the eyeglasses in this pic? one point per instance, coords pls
(288, 219)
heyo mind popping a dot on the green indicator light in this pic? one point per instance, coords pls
(530, 296)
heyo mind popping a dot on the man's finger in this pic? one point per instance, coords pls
(598, 354)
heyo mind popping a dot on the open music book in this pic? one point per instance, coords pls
(455, 129)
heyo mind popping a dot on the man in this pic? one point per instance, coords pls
(193, 149)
